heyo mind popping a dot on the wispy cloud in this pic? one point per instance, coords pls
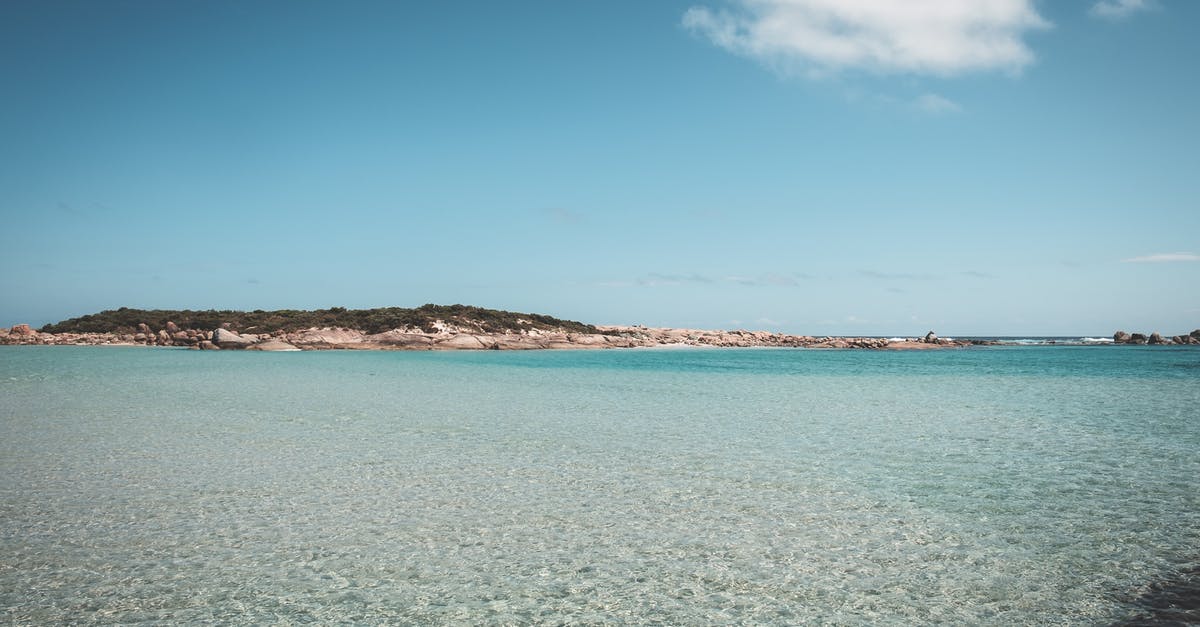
(560, 215)
(896, 276)
(656, 279)
(975, 274)
(937, 105)
(1163, 258)
(1117, 9)
(67, 209)
(771, 280)
(937, 37)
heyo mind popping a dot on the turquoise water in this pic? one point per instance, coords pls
(1045, 485)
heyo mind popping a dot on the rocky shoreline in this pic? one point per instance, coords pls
(452, 337)
(448, 336)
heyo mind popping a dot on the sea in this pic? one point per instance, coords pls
(1001, 485)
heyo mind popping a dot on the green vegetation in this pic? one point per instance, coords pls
(126, 320)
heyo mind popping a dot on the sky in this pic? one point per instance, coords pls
(864, 167)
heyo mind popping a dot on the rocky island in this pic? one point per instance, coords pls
(429, 327)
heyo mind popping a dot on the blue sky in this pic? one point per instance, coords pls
(813, 166)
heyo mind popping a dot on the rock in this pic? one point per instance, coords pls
(225, 338)
(399, 339)
(22, 329)
(930, 338)
(514, 342)
(1120, 337)
(1137, 338)
(144, 329)
(208, 346)
(587, 339)
(1195, 335)
(171, 328)
(326, 336)
(272, 345)
(1155, 338)
(463, 341)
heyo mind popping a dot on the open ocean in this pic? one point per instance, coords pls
(988, 486)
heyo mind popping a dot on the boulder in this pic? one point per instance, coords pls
(463, 341)
(1120, 337)
(171, 328)
(208, 346)
(272, 345)
(1155, 338)
(225, 338)
(587, 339)
(22, 329)
(514, 342)
(1195, 335)
(144, 329)
(930, 338)
(1137, 338)
(399, 339)
(326, 336)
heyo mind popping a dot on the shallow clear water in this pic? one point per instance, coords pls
(1046, 485)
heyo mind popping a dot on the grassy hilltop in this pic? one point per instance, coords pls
(126, 320)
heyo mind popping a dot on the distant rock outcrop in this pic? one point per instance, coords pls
(1157, 339)
(464, 341)
(272, 344)
(225, 339)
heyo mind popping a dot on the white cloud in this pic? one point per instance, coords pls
(1117, 9)
(937, 105)
(1163, 258)
(940, 37)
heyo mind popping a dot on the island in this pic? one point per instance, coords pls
(434, 327)
(429, 327)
